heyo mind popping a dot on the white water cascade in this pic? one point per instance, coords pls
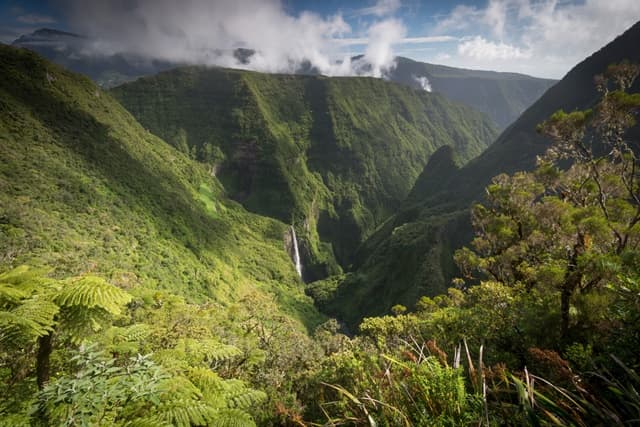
(296, 253)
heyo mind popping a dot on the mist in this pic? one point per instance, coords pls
(208, 32)
(423, 82)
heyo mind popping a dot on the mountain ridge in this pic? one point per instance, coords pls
(333, 155)
(434, 220)
(85, 188)
(502, 96)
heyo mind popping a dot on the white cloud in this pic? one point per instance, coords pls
(430, 39)
(382, 36)
(208, 31)
(360, 41)
(380, 8)
(539, 37)
(424, 83)
(480, 48)
(35, 19)
(495, 16)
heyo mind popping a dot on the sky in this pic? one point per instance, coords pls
(543, 38)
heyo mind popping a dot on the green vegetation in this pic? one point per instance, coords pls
(550, 286)
(411, 254)
(333, 156)
(154, 300)
(501, 96)
(86, 189)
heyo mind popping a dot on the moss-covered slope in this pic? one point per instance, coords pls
(334, 156)
(85, 188)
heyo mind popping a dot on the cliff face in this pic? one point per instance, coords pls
(336, 154)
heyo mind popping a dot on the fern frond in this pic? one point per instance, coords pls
(185, 413)
(126, 340)
(25, 323)
(208, 350)
(179, 387)
(92, 292)
(19, 283)
(238, 395)
(217, 352)
(206, 380)
(10, 295)
(23, 276)
(233, 418)
(80, 321)
(135, 333)
(153, 421)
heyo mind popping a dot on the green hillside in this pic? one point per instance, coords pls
(411, 254)
(85, 189)
(333, 156)
(501, 96)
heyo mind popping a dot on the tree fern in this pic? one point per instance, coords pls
(27, 322)
(185, 412)
(126, 339)
(10, 294)
(192, 352)
(239, 396)
(23, 276)
(92, 292)
(33, 306)
(78, 322)
(210, 385)
(18, 284)
(233, 418)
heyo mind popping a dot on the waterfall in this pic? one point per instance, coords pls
(296, 253)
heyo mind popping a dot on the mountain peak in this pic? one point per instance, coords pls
(45, 35)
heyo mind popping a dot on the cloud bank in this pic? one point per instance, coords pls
(208, 32)
(539, 37)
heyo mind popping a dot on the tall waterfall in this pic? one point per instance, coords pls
(296, 253)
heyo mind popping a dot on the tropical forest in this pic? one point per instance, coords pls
(201, 226)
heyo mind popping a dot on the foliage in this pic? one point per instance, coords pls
(334, 154)
(87, 190)
(573, 232)
(410, 254)
(550, 277)
(140, 392)
(197, 318)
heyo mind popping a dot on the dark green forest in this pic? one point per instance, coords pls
(148, 238)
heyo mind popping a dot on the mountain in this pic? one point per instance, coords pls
(77, 53)
(333, 156)
(85, 188)
(411, 253)
(501, 96)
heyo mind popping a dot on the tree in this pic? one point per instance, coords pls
(572, 225)
(33, 308)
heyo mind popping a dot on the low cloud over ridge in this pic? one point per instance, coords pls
(208, 32)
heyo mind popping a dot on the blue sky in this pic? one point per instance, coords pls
(538, 37)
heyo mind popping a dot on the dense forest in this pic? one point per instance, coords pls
(149, 242)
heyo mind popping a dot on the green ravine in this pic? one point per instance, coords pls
(334, 156)
(85, 189)
(146, 273)
(411, 254)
